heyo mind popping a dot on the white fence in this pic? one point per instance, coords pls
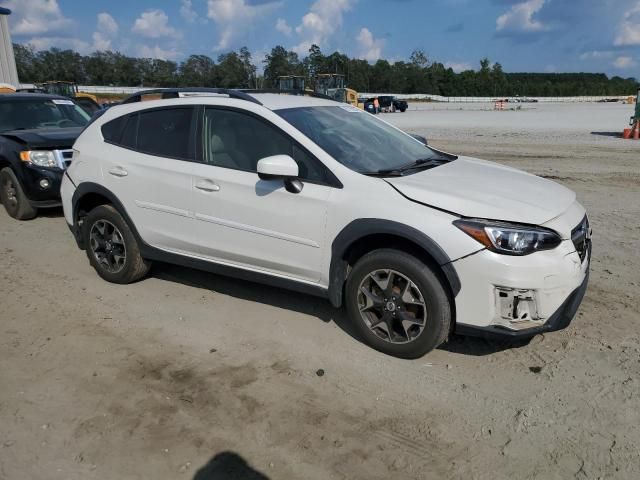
(440, 98)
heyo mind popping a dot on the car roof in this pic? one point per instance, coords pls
(27, 96)
(275, 101)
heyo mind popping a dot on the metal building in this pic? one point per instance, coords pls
(8, 71)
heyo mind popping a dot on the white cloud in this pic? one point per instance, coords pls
(629, 28)
(520, 18)
(283, 27)
(624, 62)
(320, 23)
(458, 66)
(370, 47)
(37, 17)
(156, 51)
(596, 55)
(64, 43)
(232, 17)
(107, 30)
(154, 24)
(187, 12)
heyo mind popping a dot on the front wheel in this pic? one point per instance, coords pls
(13, 197)
(111, 246)
(398, 304)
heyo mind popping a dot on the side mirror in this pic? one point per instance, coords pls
(420, 138)
(281, 167)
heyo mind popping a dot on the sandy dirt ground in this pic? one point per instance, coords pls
(195, 376)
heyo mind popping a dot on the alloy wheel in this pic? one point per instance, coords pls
(107, 245)
(392, 306)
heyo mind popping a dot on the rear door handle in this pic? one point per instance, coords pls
(207, 186)
(118, 172)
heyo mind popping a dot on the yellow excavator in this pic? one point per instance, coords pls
(89, 103)
(333, 85)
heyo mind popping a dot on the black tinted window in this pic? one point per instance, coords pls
(111, 131)
(236, 140)
(130, 132)
(166, 132)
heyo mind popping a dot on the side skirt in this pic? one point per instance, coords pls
(155, 254)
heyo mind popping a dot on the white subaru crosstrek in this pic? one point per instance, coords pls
(320, 197)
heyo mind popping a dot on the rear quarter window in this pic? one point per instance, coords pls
(112, 131)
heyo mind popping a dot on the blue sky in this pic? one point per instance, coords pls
(523, 35)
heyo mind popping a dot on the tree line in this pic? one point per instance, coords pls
(237, 69)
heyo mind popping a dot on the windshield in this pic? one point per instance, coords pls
(357, 139)
(34, 113)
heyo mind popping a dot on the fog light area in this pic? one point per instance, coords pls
(516, 308)
(44, 183)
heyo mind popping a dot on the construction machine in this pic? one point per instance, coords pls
(89, 103)
(333, 85)
(291, 83)
(634, 131)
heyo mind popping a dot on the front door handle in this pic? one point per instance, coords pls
(207, 186)
(118, 172)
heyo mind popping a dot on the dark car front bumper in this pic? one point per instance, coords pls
(41, 197)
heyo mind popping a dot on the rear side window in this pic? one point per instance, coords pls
(166, 132)
(130, 132)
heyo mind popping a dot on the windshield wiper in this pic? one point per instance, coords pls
(420, 163)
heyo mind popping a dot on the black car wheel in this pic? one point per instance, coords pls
(13, 197)
(398, 304)
(111, 246)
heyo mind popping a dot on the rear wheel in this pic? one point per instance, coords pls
(112, 248)
(13, 197)
(398, 304)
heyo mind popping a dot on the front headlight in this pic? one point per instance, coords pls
(41, 158)
(509, 238)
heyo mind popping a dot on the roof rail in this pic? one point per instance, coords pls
(288, 92)
(175, 93)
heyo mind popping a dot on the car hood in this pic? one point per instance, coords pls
(45, 138)
(481, 189)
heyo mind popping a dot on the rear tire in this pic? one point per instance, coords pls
(111, 247)
(13, 197)
(398, 304)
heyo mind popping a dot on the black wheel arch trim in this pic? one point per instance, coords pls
(363, 227)
(87, 188)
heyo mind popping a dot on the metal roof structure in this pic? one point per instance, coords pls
(8, 70)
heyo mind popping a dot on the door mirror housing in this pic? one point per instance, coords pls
(277, 167)
(420, 138)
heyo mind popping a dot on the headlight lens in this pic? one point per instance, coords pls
(41, 158)
(509, 238)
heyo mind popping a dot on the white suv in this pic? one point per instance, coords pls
(317, 196)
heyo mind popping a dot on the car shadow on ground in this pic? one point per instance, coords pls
(228, 466)
(54, 212)
(480, 347)
(255, 292)
(306, 304)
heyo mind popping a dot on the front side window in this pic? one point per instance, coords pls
(34, 113)
(232, 139)
(357, 139)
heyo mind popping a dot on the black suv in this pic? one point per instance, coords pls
(37, 132)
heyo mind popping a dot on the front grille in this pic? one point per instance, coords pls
(581, 238)
(64, 157)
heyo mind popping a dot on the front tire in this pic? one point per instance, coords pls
(111, 247)
(13, 197)
(398, 304)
